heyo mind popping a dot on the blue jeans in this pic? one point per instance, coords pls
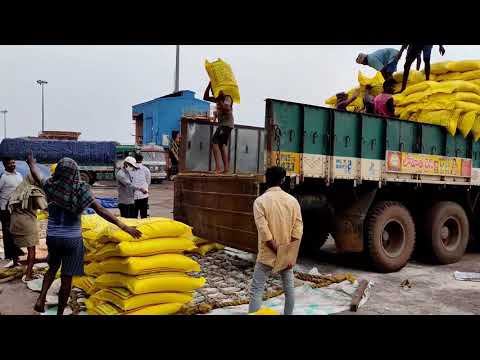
(257, 288)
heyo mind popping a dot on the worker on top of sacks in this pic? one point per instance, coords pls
(343, 101)
(413, 53)
(383, 60)
(383, 103)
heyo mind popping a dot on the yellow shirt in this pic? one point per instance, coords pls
(278, 217)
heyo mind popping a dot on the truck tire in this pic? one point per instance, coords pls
(390, 232)
(317, 216)
(446, 232)
(85, 177)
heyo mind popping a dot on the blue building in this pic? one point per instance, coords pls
(156, 119)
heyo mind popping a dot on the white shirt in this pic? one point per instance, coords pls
(142, 178)
(8, 183)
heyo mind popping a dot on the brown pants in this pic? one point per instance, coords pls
(12, 251)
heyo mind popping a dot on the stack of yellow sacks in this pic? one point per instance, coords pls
(451, 98)
(146, 276)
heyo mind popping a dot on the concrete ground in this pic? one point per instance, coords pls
(433, 288)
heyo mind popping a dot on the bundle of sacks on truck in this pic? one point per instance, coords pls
(146, 276)
(450, 99)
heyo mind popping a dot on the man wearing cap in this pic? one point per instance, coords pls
(126, 189)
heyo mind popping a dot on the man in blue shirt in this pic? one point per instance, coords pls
(383, 60)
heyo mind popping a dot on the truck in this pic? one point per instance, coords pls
(379, 186)
(97, 160)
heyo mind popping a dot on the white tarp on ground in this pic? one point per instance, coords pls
(332, 299)
(466, 276)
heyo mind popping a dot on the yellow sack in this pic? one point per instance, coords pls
(151, 283)
(457, 96)
(125, 300)
(94, 228)
(223, 79)
(476, 128)
(199, 241)
(439, 68)
(465, 76)
(475, 82)
(446, 118)
(452, 86)
(205, 248)
(265, 311)
(416, 97)
(463, 66)
(466, 121)
(93, 269)
(423, 86)
(42, 215)
(83, 282)
(149, 264)
(332, 101)
(414, 77)
(151, 228)
(145, 248)
(467, 106)
(377, 80)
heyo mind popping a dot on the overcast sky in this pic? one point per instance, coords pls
(91, 89)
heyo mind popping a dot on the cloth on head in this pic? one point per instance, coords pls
(66, 190)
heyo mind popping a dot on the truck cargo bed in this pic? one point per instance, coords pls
(219, 207)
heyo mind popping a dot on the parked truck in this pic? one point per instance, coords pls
(380, 186)
(97, 160)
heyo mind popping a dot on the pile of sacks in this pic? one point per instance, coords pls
(450, 99)
(146, 276)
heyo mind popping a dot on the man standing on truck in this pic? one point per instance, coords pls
(413, 53)
(9, 181)
(279, 222)
(383, 60)
(126, 188)
(225, 125)
(142, 178)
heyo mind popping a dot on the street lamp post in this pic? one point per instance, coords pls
(4, 112)
(42, 83)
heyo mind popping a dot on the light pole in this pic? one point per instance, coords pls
(42, 83)
(177, 70)
(4, 112)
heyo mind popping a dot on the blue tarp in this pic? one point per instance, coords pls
(107, 203)
(51, 151)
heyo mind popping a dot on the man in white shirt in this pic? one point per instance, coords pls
(9, 181)
(142, 178)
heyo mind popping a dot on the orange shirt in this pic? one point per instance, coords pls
(278, 217)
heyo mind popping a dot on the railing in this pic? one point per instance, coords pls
(246, 148)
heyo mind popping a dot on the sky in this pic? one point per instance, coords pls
(91, 89)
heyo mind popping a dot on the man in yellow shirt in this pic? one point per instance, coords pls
(279, 222)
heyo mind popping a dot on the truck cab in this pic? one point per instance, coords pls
(154, 158)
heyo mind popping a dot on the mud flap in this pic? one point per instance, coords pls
(348, 231)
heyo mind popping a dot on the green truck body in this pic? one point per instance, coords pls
(380, 186)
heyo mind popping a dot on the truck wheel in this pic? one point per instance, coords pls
(390, 236)
(85, 177)
(317, 215)
(447, 232)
